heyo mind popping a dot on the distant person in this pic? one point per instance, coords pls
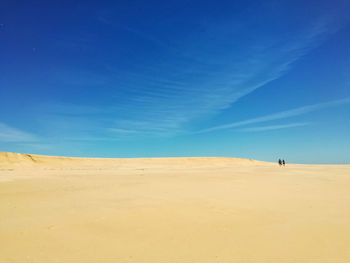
(279, 162)
(283, 162)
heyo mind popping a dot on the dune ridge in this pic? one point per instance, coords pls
(21, 160)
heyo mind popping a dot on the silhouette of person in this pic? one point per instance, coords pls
(279, 162)
(283, 162)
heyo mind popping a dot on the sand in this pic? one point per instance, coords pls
(172, 210)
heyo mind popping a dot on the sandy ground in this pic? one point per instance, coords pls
(172, 210)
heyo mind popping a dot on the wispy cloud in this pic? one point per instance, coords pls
(169, 81)
(10, 134)
(170, 92)
(280, 115)
(73, 109)
(122, 131)
(274, 127)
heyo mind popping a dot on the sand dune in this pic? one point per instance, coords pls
(60, 209)
(19, 160)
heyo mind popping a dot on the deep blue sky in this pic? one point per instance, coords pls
(250, 79)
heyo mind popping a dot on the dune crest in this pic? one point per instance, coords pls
(21, 160)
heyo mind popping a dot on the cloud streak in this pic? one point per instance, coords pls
(168, 94)
(160, 83)
(280, 115)
(274, 127)
(10, 134)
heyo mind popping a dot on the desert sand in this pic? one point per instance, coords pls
(55, 209)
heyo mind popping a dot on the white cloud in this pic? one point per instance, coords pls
(169, 93)
(122, 131)
(280, 115)
(10, 134)
(273, 127)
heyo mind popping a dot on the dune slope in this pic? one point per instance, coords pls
(60, 209)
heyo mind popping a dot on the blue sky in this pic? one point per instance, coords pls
(250, 79)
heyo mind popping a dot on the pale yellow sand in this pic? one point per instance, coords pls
(172, 210)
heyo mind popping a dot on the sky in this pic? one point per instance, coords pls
(249, 79)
